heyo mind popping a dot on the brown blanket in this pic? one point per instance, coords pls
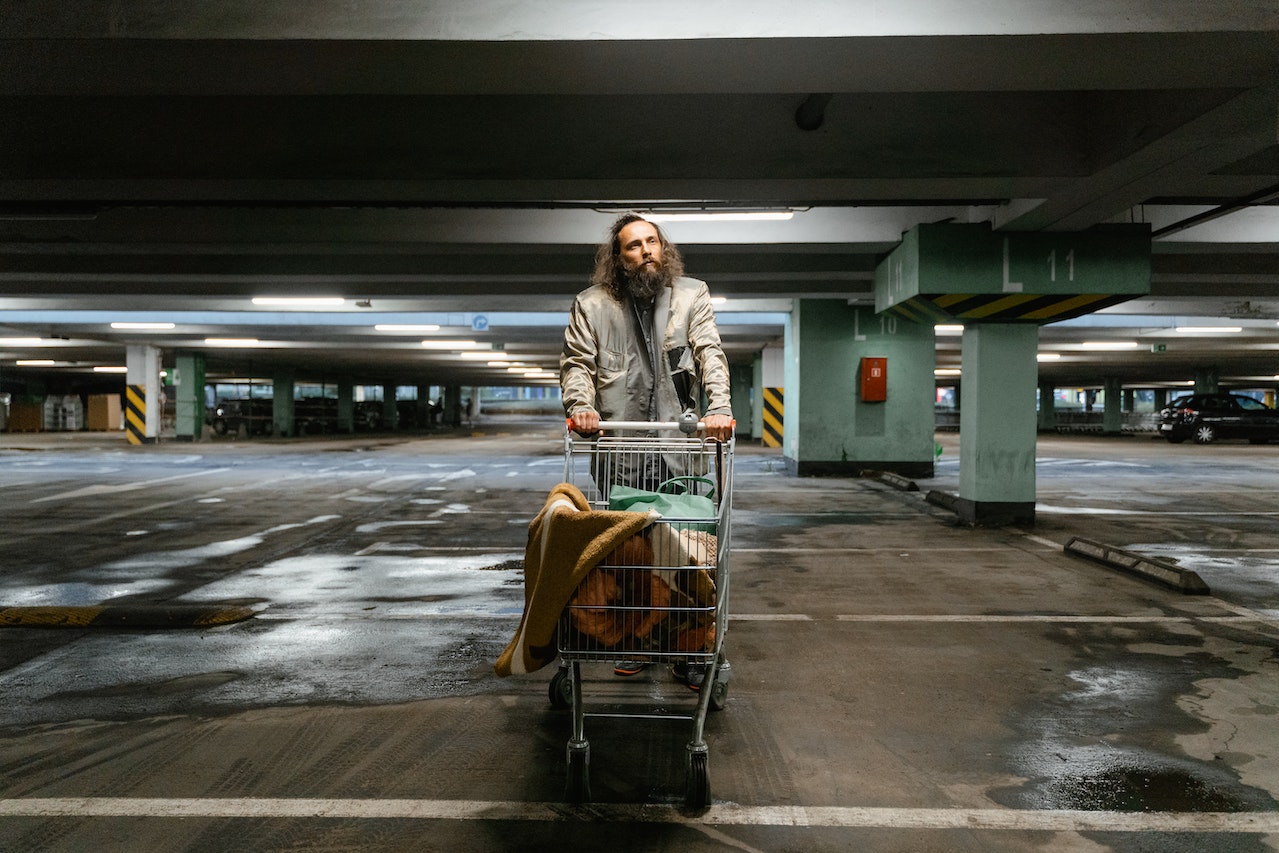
(565, 541)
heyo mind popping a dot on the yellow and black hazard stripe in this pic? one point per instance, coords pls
(773, 411)
(135, 414)
(1003, 307)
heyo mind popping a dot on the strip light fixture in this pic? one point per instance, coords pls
(454, 345)
(721, 216)
(299, 301)
(143, 327)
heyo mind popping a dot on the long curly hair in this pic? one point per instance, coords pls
(608, 257)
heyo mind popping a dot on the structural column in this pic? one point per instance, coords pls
(188, 390)
(282, 408)
(997, 425)
(1112, 419)
(143, 405)
(742, 378)
(859, 390)
(1047, 407)
(1207, 380)
(390, 413)
(346, 405)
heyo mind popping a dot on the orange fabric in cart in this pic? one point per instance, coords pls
(618, 604)
(565, 541)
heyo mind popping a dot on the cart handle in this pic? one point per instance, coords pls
(687, 424)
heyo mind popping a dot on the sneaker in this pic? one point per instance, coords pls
(627, 668)
(695, 675)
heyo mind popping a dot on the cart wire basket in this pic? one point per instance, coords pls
(662, 597)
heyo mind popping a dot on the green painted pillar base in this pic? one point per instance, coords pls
(995, 513)
(1112, 418)
(282, 407)
(346, 406)
(188, 399)
(997, 425)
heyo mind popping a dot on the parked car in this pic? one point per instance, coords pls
(1208, 417)
(255, 415)
(315, 414)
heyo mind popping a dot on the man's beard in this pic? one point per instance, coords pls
(645, 282)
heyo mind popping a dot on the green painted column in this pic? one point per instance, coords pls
(997, 425)
(1047, 407)
(743, 391)
(188, 400)
(1207, 380)
(829, 428)
(389, 414)
(282, 408)
(757, 396)
(1161, 398)
(1112, 418)
(346, 405)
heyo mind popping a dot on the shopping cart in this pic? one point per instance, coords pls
(662, 597)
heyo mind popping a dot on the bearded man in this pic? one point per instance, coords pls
(641, 342)
(641, 345)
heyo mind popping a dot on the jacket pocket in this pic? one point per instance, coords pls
(611, 384)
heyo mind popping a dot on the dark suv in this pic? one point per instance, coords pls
(1208, 417)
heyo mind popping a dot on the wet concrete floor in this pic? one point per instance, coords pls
(899, 682)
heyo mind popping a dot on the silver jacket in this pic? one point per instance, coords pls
(600, 367)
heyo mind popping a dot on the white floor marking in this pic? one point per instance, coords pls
(88, 491)
(722, 815)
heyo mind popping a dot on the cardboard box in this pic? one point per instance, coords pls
(104, 412)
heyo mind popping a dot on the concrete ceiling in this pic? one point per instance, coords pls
(455, 164)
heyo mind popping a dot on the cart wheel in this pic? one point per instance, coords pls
(560, 691)
(578, 788)
(697, 796)
(719, 695)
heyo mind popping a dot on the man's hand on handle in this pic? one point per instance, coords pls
(719, 427)
(586, 422)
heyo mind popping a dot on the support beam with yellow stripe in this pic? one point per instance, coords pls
(135, 414)
(774, 409)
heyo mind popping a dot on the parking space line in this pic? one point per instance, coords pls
(1046, 820)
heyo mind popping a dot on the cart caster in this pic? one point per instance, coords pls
(719, 695)
(560, 691)
(697, 794)
(719, 690)
(578, 787)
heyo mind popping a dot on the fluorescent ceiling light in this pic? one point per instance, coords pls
(722, 216)
(948, 329)
(110, 369)
(232, 342)
(406, 327)
(459, 345)
(35, 362)
(486, 353)
(26, 342)
(1208, 330)
(1048, 356)
(1109, 345)
(298, 300)
(947, 371)
(143, 326)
